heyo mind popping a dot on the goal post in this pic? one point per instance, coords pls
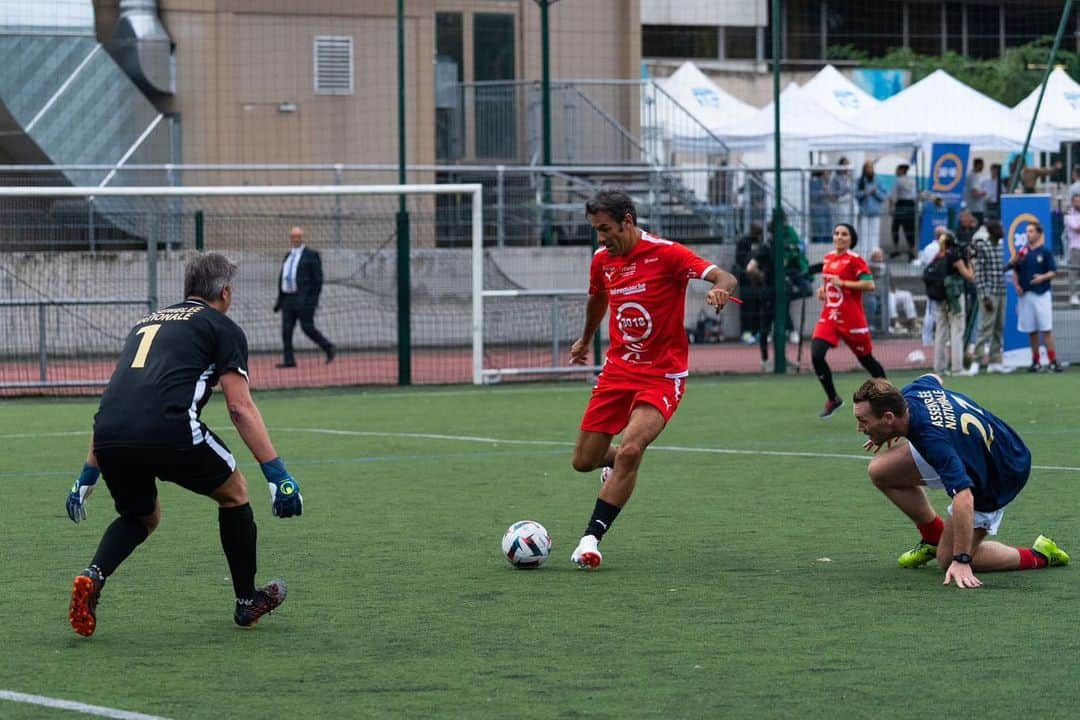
(526, 312)
(80, 265)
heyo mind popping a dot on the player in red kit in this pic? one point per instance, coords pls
(642, 279)
(846, 277)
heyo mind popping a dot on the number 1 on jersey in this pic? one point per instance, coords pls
(148, 332)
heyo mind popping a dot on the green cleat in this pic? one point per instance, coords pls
(1049, 549)
(918, 556)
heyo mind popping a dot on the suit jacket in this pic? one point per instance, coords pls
(309, 280)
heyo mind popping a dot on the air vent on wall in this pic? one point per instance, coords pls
(333, 65)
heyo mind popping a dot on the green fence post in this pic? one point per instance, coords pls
(200, 230)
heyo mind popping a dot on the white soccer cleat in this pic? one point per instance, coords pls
(605, 473)
(587, 553)
(974, 369)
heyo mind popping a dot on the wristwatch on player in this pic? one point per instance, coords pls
(962, 558)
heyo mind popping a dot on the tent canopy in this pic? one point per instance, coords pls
(1059, 114)
(837, 94)
(689, 106)
(940, 108)
(802, 119)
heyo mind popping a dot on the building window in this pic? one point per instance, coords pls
(495, 111)
(803, 28)
(984, 31)
(680, 41)
(954, 27)
(874, 28)
(924, 28)
(449, 73)
(740, 43)
(333, 65)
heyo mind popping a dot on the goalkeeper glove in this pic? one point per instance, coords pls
(285, 497)
(80, 491)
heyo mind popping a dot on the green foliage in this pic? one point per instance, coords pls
(1008, 79)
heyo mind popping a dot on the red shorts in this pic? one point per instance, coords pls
(858, 339)
(616, 395)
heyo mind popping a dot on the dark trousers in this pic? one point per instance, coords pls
(305, 313)
(904, 217)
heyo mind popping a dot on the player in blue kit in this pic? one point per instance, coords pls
(956, 445)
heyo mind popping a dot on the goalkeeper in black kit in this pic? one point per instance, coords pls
(148, 426)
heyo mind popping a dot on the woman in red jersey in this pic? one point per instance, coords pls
(846, 277)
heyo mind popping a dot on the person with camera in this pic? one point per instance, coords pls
(945, 280)
(990, 281)
(968, 226)
(1034, 268)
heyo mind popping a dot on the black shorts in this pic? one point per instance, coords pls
(130, 472)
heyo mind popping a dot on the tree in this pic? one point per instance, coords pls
(1008, 79)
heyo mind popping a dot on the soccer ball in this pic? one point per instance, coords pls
(526, 544)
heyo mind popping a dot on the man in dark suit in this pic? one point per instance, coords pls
(299, 285)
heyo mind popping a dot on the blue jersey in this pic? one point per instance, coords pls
(967, 445)
(1032, 263)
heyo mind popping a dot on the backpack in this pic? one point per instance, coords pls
(934, 278)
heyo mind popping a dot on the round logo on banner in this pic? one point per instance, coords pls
(1014, 228)
(948, 171)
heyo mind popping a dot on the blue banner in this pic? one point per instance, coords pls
(1016, 212)
(948, 172)
(932, 217)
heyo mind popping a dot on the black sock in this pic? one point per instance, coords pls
(120, 540)
(238, 540)
(602, 516)
(818, 348)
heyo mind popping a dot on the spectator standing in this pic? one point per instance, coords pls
(870, 195)
(1034, 269)
(1074, 188)
(991, 185)
(944, 283)
(975, 193)
(820, 209)
(902, 199)
(990, 282)
(839, 192)
(1072, 234)
(752, 295)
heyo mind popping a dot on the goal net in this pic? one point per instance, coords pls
(530, 308)
(79, 266)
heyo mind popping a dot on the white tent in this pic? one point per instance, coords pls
(687, 104)
(803, 120)
(837, 94)
(1059, 114)
(940, 108)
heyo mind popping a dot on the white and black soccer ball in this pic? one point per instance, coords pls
(526, 544)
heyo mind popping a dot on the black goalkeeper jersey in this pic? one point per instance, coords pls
(171, 360)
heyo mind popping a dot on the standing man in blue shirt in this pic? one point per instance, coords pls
(1034, 268)
(956, 445)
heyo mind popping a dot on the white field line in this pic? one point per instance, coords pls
(550, 443)
(78, 707)
(664, 448)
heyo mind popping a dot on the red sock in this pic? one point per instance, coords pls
(931, 531)
(1051, 356)
(1035, 357)
(1031, 560)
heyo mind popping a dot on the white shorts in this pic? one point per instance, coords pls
(1034, 312)
(990, 521)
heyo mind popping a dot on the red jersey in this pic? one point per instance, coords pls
(646, 303)
(844, 306)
